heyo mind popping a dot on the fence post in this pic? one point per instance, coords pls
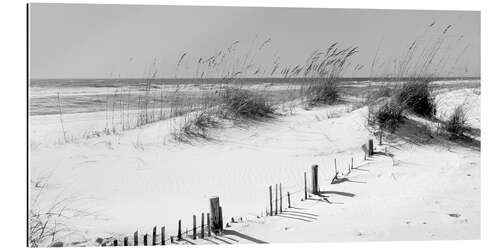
(281, 201)
(221, 221)
(171, 239)
(163, 235)
(179, 233)
(271, 198)
(136, 238)
(115, 243)
(314, 179)
(276, 200)
(194, 227)
(216, 214)
(305, 185)
(154, 236)
(208, 225)
(370, 147)
(125, 241)
(352, 162)
(202, 225)
(145, 241)
(288, 194)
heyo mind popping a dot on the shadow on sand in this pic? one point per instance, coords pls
(243, 236)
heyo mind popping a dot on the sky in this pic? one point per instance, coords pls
(134, 41)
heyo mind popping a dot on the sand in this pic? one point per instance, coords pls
(141, 178)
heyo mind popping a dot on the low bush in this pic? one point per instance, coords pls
(416, 96)
(322, 92)
(388, 117)
(239, 103)
(456, 125)
(195, 126)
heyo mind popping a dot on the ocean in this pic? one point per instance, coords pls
(54, 96)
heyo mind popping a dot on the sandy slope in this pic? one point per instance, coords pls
(140, 179)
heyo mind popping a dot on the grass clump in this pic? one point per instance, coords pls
(416, 96)
(196, 126)
(388, 117)
(245, 104)
(456, 125)
(324, 92)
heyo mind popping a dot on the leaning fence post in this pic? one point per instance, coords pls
(271, 198)
(216, 214)
(305, 185)
(288, 194)
(194, 227)
(163, 235)
(202, 225)
(136, 238)
(314, 179)
(276, 200)
(370, 147)
(154, 237)
(125, 241)
(179, 233)
(281, 201)
(208, 225)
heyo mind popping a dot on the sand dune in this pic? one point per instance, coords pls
(140, 178)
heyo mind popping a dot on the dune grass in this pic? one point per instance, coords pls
(456, 124)
(245, 104)
(416, 96)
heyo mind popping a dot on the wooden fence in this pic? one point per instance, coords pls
(214, 220)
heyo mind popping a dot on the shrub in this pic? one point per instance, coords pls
(323, 92)
(416, 97)
(239, 103)
(456, 124)
(195, 126)
(389, 116)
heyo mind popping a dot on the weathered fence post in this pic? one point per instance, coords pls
(208, 225)
(154, 236)
(179, 233)
(281, 201)
(194, 227)
(145, 240)
(136, 238)
(370, 147)
(171, 239)
(163, 235)
(314, 179)
(276, 200)
(115, 243)
(288, 194)
(125, 241)
(202, 225)
(216, 214)
(352, 162)
(305, 185)
(271, 198)
(221, 221)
